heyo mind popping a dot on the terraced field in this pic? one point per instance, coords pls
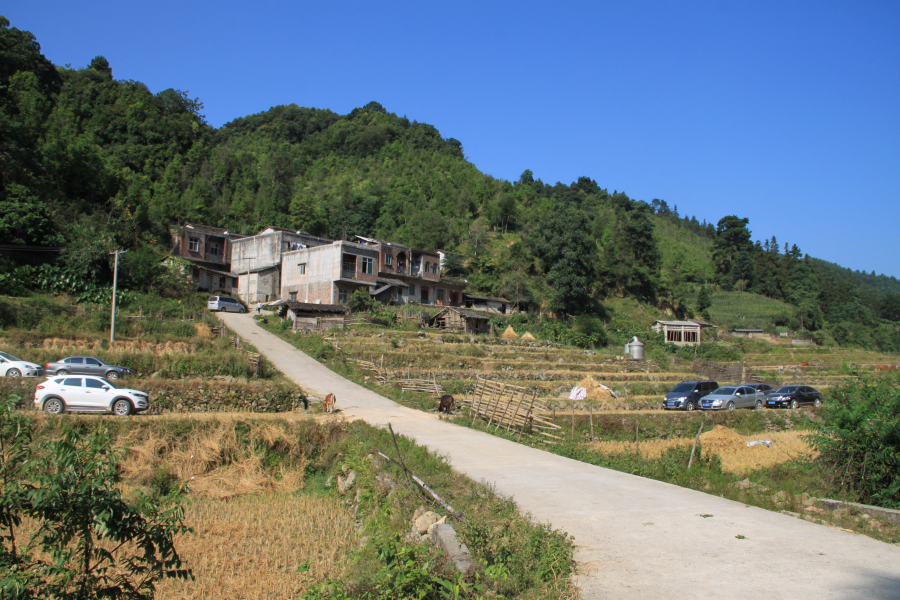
(456, 361)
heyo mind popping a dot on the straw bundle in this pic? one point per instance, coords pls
(594, 391)
(528, 337)
(509, 334)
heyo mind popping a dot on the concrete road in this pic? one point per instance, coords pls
(635, 537)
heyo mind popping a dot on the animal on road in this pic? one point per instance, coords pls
(330, 401)
(446, 404)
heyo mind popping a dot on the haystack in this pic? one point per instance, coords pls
(594, 391)
(528, 337)
(722, 438)
(509, 334)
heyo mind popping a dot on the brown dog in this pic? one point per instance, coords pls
(330, 401)
(446, 403)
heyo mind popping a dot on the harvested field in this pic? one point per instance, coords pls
(250, 548)
(729, 446)
(213, 462)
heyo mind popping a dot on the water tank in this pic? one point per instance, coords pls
(636, 348)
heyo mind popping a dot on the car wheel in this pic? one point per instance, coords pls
(122, 408)
(690, 406)
(54, 406)
(795, 403)
(730, 406)
(62, 372)
(242, 311)
(14, 373)
(112, 376)
(818, 402)
(758, 405)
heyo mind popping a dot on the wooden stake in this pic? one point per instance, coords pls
(637, 437)
(694, 447)
(592, 421)
(573, 421)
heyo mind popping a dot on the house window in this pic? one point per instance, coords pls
(214, 249)
(222, 282)
(342, 295)
(427, 267)
(293, 296)
(388, 260)
(195, 273)
(367, 265)
(412, 290)
(301, 269)
(434, 268)
(194, 244)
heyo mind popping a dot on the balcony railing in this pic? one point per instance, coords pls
(348, 271)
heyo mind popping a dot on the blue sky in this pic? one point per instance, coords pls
(782, 112)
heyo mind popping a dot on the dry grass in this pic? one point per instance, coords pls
(213, 463)
(84, 345)
(250, 548)
(729, 446)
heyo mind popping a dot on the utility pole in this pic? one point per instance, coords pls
(112, 326)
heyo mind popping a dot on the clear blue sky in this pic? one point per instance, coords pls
(787, 113)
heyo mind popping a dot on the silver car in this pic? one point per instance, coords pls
(225, 304)
(730, 397)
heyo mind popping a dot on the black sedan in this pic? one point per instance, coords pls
(792, 396)
(86, 365)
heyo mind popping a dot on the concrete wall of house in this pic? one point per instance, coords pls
(266, 250)
(322, 279)
(262, 286)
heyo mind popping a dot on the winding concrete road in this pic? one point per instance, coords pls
(635, 537)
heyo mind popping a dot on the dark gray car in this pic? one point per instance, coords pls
(86, 365)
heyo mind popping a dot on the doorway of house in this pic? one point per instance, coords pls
(424, 295)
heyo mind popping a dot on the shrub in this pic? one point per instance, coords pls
(859, 440)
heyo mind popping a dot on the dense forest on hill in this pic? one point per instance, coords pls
(89, 163)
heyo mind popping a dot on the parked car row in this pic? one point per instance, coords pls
(78, 384)
(708, 395)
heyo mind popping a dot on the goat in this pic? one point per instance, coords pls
(446, 403)
(330, 401)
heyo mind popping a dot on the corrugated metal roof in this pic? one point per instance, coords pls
(678, 323)
(393, 282)
(466, 313)
(485, 298)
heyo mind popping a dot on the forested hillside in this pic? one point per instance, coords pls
(89, 163)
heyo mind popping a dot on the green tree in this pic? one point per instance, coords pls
(566, 257)
(732, 238)
(703, 300)
(99, 545)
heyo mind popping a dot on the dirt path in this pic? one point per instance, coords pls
(635, 537)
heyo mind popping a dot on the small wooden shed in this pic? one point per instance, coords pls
(314, 317)
(680, 333)
(458, 319)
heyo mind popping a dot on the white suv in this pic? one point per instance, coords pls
(87, 394)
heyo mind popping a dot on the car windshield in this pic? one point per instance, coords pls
(9, 357)
(788, 389)
(725, 391)
(684, 387)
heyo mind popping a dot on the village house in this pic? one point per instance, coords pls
(209, 251)
(680, 333)
(257, 260)
(418, 270)
(313, 317)
(327, 274)
(491, 304)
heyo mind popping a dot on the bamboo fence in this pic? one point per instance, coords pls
(508, 406)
